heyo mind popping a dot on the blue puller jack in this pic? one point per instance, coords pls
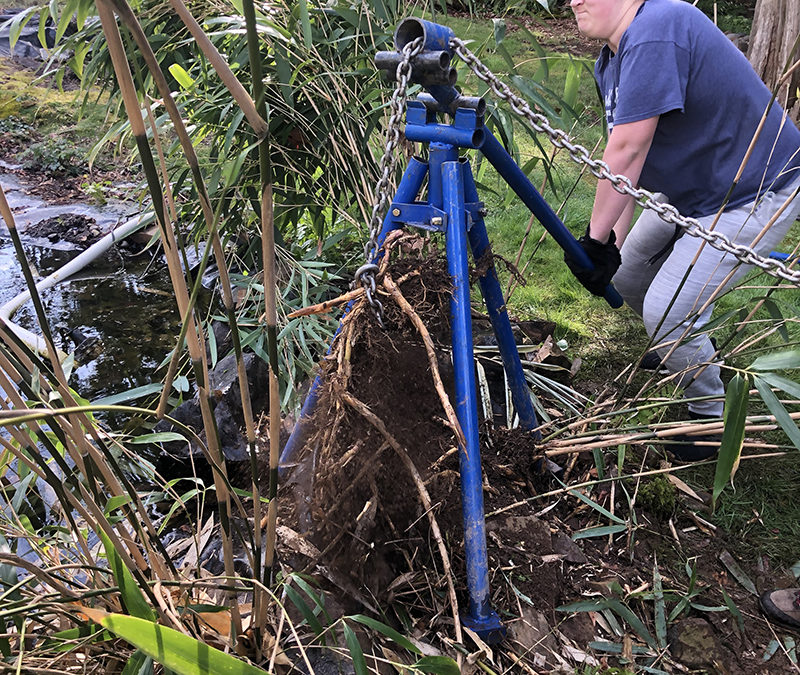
(452, 206)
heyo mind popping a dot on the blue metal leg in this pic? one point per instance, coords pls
(518, 181)
(407, 191)
(480, 618)
(498, 315)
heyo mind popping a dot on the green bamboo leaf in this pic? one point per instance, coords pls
(572, 84)
(82, 11)
(616, 648)
(311, 593)
(383, 629)
(356, 653)
(602, 531)
(18, 23)
(499, 30)
(596, 506)
(139, 664)
(64, 640)
(180, 503)
(626, 614)
(130, 395)
(440, 665)
(736, 399)
(777, 409)
(132, 597)
(180, 653)
(777, 315)
(305, 23)
(115, 502)
(66, 16)
(733, 609)
(47, 11)
(160, 437)
(501, 49)
(584, 606)
(181, 76)
(308, 614)
(785, 360)
(783, 383)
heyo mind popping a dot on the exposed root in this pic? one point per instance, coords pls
(400, 299)
(425, 498)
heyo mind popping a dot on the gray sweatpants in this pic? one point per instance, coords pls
(675, 311)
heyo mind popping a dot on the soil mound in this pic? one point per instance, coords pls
(71, 227)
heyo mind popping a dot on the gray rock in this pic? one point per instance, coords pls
(694, 643)
(174, 461)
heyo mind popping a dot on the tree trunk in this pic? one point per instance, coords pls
(775, 48)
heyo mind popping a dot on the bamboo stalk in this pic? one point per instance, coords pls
(195, 342)
(254, 117)
(271, 317)
(270, 296)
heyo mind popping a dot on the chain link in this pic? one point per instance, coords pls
(622, 184)
(365, 275)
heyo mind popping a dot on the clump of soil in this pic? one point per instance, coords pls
(71, 227)
(365, 506)
(366, 515)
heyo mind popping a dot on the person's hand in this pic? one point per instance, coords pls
(605, 258)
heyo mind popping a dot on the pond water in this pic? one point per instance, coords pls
(118, 315)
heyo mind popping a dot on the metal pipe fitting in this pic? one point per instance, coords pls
(472, 102)
(435, 36)
(444, 133)
(447, 77)
(425, 63)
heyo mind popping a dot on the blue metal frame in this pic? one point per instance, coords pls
(453, 207)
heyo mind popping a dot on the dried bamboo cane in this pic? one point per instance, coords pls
(195, 341)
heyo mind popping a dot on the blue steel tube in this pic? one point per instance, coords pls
(407, 192)
(514, 176)
(444, 133)
(480, 613)
(498, 315)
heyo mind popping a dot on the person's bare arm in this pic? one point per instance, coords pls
(625, 154)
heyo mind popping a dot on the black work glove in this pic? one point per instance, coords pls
(605, 258)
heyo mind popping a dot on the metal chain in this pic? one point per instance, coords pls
(365, 275)
(622, 184)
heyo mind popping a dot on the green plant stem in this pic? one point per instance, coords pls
(270, 301)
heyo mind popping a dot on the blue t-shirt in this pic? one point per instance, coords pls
(673, 62)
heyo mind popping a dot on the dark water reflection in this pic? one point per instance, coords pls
(118, 315)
